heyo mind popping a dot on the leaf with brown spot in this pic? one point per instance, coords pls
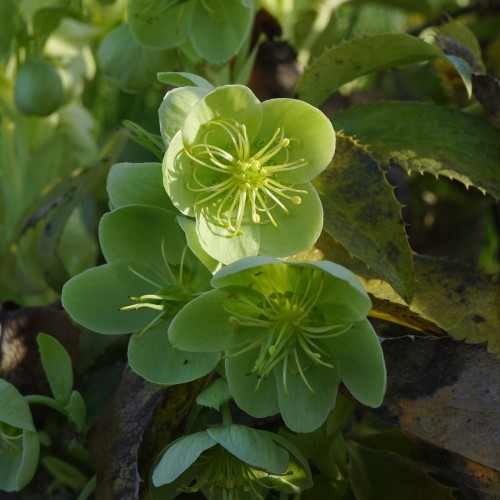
(449, 296)
(361, 212)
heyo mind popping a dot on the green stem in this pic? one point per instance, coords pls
(45, 400)
(227, 419)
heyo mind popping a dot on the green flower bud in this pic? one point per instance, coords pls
(38, 89)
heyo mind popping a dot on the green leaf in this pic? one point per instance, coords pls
(382, 474)
(180, 455)
(149, 141)
(14, 410)
(19, 461)
(152, 357)
(137, 184)
(77, 410)
(217, 30)
(215, 395)
(251, 446)
(119, 48)
(139, 233)
(9, 20)
(65, 472)
(453, 296)
(413, 136)
(360, 56)
(361, 212)
(57, 366)
(159, 24)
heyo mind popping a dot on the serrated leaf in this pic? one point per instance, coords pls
(361, 212)
(457, 298)
(449, 297)
(57, 366)
(427, 138)
(360, 56)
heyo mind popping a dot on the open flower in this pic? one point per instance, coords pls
(243, 169)
(290, 332)
(19, 443)
(232, 462)
(150, 274)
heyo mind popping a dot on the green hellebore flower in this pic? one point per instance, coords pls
(232, 462)
(290, 332)
(19, 444)
(148, 277)
(216, 29)
(243, 169)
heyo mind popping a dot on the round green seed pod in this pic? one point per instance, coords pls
(38, 89)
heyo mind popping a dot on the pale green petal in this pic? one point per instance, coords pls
(258, 403)
(94, 298)
(343, 298)
(220, 244)
(152, 357)
(302, 410)
(311, 135)
(252, 446)
(202, 325)
(138, 233)
(117, 51)
(235, 102)
(218, 28)
(180, 455)
(158, 27)
(296, 230)
(137, 184)
(177, 175)
(189, 228)
(242, 272)
(361, 363)
(183, 79)
(174, 109)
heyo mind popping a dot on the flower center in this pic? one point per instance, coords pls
(172, 292)
(224, 473)
(294, 328)
(241, 182)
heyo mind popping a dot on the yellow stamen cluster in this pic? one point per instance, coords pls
(235, 177)
(293, 328)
